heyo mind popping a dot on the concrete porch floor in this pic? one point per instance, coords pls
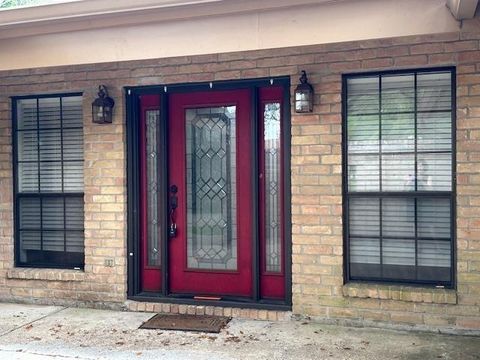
(53, 332)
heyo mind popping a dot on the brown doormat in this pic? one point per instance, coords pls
(184, 322)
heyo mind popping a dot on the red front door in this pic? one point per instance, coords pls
(199, 152)
(209, 163)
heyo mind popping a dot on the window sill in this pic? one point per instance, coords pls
(46, 274)
(400, 292)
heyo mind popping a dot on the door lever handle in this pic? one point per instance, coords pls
(172, 232)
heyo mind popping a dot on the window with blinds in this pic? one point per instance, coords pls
(398, 186)
(48, 147)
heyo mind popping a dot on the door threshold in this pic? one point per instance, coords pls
(245, 303)
(208, 298)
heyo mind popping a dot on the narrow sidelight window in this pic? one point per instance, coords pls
(272, 162)
(48, 165)
(398, 185)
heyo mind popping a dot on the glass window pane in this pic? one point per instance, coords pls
(364, 250)
(27, 114)
(434, 91)
(434, 131)
(363, 173)
(51, 177)
(363, 134)
(434, 218)
(398, 132)
(398, 217)
(75, 241)
(27, 145)
(398, 172)
(53, 240)
(211, 188)
(434, 253)
(272, 159)
(152, 118)
(434, 172)
(74, 213)
(363, 95)
(398, 93)
(30, 240)
(27, 174)
(364, 219)
(364, 227)
(73, 144)
(50, 145)
(49, 113)
(72, 112)
(52, 213)
(398, 252)
(29, 212)
(73, 176)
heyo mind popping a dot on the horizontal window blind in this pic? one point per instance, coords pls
(398, 187)
(49, 177)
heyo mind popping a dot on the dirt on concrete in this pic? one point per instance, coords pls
(45, 332)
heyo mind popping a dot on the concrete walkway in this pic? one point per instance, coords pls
(48, 332)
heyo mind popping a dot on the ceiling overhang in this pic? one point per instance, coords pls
(105, 31)
(90, 14)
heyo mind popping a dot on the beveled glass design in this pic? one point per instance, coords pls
(272, 148)
(152, 118)
(211, 188)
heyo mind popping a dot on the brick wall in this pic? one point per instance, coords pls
(318, 288)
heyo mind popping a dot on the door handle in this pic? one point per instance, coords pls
(172, 231)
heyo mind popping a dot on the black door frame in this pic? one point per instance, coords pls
(132, 95)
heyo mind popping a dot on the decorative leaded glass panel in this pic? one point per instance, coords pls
(272, 146)
(211, 188)
(152, 118)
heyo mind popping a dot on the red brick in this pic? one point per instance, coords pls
(377, 63)
(416, 60)
(427, 48)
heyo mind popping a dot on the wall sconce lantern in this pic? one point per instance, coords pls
(304, 95)
(102, 107)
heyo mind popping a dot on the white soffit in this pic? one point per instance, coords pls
(98, 9)
(462, 9)
(214, 26)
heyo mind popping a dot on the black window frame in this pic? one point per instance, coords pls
(74, 261)
(133, 239)
(346, 195)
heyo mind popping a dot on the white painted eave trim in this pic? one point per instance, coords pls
(86, 8)
(462, 9)
(97, 9)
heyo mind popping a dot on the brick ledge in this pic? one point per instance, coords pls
(46, 274)
(255, 314)
(401, 293)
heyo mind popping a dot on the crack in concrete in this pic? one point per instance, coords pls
(33, 321)
(26, 352)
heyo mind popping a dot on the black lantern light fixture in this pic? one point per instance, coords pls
(304, 95)
(102, 107)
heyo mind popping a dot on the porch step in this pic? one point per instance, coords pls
(255, 314)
